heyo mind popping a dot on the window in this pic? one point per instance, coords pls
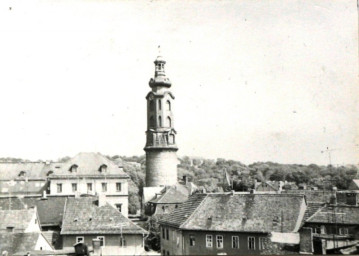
(192, 240)
(80, 239)
(89, 187)
(168, 252)
(118, 187)
(159, 105)
(163, 233)
(219, 241)
(152, 121)
(316, 230)
(104, 187)
(251, 243)
(343, 231)
(160, 121)
(73, 168)
(74, 187)
(122, 241)
(102, 240)
(262, 243)
(168, 105)
(235, 242)
(163, 252)
(118, 207)
(59, 188)
(103, 168)
(169, 122)
(209, 241)
(167, 234)
(152, 105)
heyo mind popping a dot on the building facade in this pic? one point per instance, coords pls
(161, 148)
(91, 174)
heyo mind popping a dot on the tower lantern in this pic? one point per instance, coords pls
(161, 148)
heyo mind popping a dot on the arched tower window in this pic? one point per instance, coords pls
(152, 121)
(152, 105)
(169, 122)
(159, 105)
(160, 121)
(168, 105)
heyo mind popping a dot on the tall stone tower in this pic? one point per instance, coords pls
(161, 148)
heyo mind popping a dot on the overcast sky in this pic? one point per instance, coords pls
(253, 80)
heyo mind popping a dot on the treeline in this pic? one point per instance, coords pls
(210, 174)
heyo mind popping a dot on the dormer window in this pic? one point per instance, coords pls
(22, 174)
(103, 168)
(73, 168)
(49, 173)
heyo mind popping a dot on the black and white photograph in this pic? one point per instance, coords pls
(168, 127)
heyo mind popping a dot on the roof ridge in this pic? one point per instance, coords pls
(187, 220)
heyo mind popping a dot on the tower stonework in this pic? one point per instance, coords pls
(161, 148)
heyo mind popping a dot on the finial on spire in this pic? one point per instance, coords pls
(159, 50)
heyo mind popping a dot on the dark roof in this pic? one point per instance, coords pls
(50, 210)
(83, 216)
(18, 219)
(88, 164)
(33, 170)
(239, 212)
(15, 242)
(311, 209)
(340, 214)
(172, 194)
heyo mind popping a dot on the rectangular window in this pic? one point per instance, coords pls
(167, 234)
(251, 243)
(102, 240)
(262, 243)
(104, 187)
(89, 187)
(59, 188)
(74, 187)
(163, 252)
(163, 233)
(235, 242)
(192, 240)
(209, 241)
(122, 241)
(343, 231)
(80, 239)
(118, 187)
(118, 207)
(219, 240)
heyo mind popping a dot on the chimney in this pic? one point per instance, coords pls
(44, 195)
(96, 245)
(101, 200)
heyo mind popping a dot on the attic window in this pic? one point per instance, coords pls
(103, 168)
(75, 220)
(22, 174)
(73, 168)
(10, 229)
(49, 173)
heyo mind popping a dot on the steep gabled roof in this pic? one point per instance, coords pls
(339, 214)
(50, 210)
(239, 212)
(83, 216)
(17, 219)
(172, 194)
(89, 164)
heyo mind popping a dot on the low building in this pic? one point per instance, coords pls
(92, 174)
(89, 218)
(230, 223)
(334, 227)
(169, 198)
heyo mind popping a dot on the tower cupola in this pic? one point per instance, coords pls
(160, 78)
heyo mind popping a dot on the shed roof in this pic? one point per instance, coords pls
(83, 216)
(239, 212)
